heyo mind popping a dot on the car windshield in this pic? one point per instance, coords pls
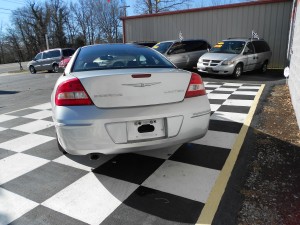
(118, 56)
(162, 47)
(229, 47)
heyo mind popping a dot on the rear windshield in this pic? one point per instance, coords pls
(162, 47)
(230, 47)
(68, 52)
(104, 57)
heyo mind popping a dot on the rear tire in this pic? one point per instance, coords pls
(264, 67)
(238, 70)
(55, 68)
(32, 69)
(60, 148)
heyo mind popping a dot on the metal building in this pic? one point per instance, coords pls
(270, 19)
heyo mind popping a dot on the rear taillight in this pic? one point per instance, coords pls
(196, 87)
(71, 92)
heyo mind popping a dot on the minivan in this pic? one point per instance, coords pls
(235, 56)
(49, 59)
(183, 54)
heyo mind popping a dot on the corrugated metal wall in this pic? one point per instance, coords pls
(269, 20)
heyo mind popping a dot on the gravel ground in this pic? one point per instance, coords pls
(270, 190)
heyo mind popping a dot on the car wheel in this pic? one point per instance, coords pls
(264, 67)
(60, 148)
(32, 69)
(55, 68)
(238, 70)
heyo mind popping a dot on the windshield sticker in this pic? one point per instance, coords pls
(155, 46)
(221, 43)
(218, 46)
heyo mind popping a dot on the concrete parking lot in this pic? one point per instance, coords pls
(180, 185)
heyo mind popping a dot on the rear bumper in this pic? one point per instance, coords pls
(83, 130)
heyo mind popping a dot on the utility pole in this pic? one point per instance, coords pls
(47, 43)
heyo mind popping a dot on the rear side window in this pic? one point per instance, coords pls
(261, 46)
(54, 53)
(192, 46)
(68, 52)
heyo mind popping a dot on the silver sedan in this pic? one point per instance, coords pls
(118, 98)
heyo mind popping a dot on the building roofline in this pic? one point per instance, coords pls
(205, 9)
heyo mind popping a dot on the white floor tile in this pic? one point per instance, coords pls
(233, 84)
(25, 142)
(34, 126)
(42, 106)
(217, 139)
(218, 96)
(245, 93)
(4, 118)
(185, 180)
(83, 162)
(214, 107)
(2, 128)
(18, 164)
(212, 85)
(39, 115)
(208, 91)
(229, 116)
(237, 102)
(12, 206)
(226, 89)
(250, 87)
(163, 153)
(92, 198)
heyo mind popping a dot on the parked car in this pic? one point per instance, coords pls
(235, 56)
(49, 59)
(63, 63)
(184, 54)
(146, 104)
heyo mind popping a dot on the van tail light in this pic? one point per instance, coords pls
(71, 92)
(196, 86)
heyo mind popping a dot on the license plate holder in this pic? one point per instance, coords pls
(146, 129)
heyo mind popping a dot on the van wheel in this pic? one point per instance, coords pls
(264, 67)
(55, 68)
(238, 70)
(32, 69)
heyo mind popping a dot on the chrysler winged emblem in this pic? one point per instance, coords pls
(142, 84)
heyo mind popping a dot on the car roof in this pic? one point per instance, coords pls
(183, 40)
(243, 39)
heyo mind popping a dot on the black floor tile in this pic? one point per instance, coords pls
(216, 101)
(242, 97)
(225, 126)
(201, 155)
(5, 153)
(130, 167)
(44, 182)
(8, 134)
(234, 109)
(48, 132)
(149, 206)
(15, 122)
(48, 150)
(41, 215)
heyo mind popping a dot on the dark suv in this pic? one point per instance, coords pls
(49, 59)
(183, 54)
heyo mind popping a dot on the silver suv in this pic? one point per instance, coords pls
(49, 59)
(183, 54)
(235, 56)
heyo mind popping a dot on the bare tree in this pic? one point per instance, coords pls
(156, 6)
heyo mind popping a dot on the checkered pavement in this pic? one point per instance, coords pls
(40, 185)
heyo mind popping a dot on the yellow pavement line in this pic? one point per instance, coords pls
(213, 201)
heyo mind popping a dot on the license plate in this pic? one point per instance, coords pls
(146, 129)
(209, 69)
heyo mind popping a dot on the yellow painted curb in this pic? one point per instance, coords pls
(214, 198)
